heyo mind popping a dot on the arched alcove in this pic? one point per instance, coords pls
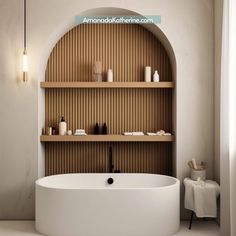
(71, 60)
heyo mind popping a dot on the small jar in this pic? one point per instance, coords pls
(49, 130)
(195, 174)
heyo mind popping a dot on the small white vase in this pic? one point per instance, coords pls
(109, 75)
(156, 77)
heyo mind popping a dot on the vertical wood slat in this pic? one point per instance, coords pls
(127, 49)
(91, 157)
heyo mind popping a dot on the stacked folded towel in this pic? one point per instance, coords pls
(128, 133)
(136, 133)
(159, 133)
(80, 132)
(151, 134)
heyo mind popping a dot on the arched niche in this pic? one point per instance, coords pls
(71, 58)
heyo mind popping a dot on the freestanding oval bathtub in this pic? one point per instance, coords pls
(87, 205)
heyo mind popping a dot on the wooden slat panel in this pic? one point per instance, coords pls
(127, 49)
(149, 110)
(130, 106)
(93, 157)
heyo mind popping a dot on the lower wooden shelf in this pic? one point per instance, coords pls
(105, 138)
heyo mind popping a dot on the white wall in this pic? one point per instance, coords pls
(188, 24)
(218, 12)
(18, 116)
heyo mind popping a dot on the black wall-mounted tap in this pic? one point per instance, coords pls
(110, 163)
(111, 166)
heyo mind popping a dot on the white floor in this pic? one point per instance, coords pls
(26, 228)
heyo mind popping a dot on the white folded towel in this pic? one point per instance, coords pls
(80, 134)
(151, 134)
(79, 131)
(128, 133)
(201, 197)
(138, 133)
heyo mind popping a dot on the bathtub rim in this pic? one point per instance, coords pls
(177, 182)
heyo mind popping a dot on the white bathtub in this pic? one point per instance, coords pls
(86, 205)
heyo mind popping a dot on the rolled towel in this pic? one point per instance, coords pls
(160, 132)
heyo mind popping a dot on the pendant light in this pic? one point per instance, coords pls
(25, 58)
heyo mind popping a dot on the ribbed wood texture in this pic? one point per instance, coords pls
(121, 109)
(92, 157)
(127, 49)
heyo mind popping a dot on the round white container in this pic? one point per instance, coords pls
(195, 174)
(147, 74)
(109, 75)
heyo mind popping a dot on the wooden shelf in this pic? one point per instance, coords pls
(105, 138)
(107, 84)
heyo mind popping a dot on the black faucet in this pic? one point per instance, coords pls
(111, 166)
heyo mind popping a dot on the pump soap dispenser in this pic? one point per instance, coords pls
(62, 126)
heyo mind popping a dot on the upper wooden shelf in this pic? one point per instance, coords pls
(107, 84)
(105, 138)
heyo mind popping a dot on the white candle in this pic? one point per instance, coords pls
(147, 74)
(109, 75)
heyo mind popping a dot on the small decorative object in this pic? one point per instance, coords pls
(43, 131)
(156, 76)
(109, 75)
(54, 131)
(49, 130)
(198, 174)
(97, 71)
(62, 126)
(69, 132)
(104, 129)
(161, 132)
(96, 129)
(80, 132)
(147, 74)
(197, 171)
(135, 133)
